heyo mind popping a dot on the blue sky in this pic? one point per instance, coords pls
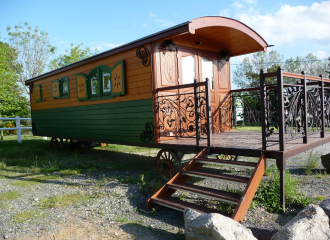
(294, 27)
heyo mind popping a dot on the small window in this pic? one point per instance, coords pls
(60, 88)
(207, 70)
(106, 83)
(95, 85)
(188, 69)
(103, 82)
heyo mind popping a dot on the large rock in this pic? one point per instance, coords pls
(325, 205)
(310, 224)
(326, 161)
(213, 226)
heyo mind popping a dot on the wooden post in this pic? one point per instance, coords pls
(208, 113)
(197, 111)
(18, 127)
(305, 118)
(280, 108)
(263, 94)
(322, 108)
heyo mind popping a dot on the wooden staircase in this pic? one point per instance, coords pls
(193, 169)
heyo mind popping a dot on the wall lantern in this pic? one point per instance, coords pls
(226, 55)
(170, 45)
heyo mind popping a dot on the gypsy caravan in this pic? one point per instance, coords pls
(172, 90)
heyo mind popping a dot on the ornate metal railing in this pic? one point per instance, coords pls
(186, 113)
(297, 110)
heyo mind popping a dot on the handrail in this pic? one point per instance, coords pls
(297, 76)
(189, 85)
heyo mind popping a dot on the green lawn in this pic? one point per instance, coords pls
(35, 160)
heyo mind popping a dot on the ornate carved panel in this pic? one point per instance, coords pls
(167, 68)
(223, 74)
(225, 112)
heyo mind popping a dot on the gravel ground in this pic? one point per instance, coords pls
(108, 209)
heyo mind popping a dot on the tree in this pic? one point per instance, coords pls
(33, 51)
(247, 73)
(12, 101)
(76, 53)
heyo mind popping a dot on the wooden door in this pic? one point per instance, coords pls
(166, 67)
(188, 71)
(224, 95)
(208, 69)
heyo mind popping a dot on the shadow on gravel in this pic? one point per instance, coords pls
(262, 234)
(142, 232)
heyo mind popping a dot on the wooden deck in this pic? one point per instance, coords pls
(250, 140)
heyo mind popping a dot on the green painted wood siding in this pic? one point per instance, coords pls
(120, 121)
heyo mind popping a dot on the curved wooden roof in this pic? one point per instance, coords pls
(228, 35)
(214, 33)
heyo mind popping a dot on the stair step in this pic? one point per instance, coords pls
(224, 177)
(226, 162)
(206, 192)
(180, 205)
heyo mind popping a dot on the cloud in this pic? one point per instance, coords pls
(225, 12)
(103, 46)
(322, 55)
(237, 5)
(145, 25)
(250, 1)
(161, 22)
(291, 25)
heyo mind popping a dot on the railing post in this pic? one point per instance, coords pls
(197, 111)
(263, 94)
(208, 113)
(281, 108)
(322, 108)
(305, 118)
(18, 126)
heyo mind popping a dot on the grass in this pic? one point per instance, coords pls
(67, 200)
(313, 158)
(319, 198)
(268, 194)
(25, 184)
(9, 195)
(24, 217)
(34, 156)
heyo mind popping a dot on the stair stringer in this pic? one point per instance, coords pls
(179, 177)
(250, 190)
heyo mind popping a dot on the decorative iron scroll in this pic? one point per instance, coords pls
(144, 54)
(177, 115)
(294, 110)
(148, 133)
(271, 111)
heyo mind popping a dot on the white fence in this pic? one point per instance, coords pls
(18, 126)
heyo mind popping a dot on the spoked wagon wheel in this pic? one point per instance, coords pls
(167, 164)
(227, 157)
(58, 142)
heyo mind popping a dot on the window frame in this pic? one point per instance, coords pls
(40, 92)
(100, 95)
(62, 81)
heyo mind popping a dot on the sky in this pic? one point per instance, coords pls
(294, 27)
